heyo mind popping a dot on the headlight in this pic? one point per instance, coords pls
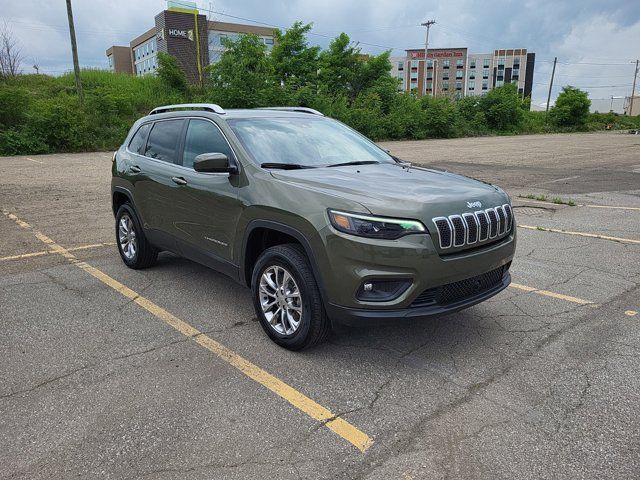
(374, 227)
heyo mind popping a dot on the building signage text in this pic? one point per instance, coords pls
(447, 54)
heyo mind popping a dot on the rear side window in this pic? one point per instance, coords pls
(163, 140)
(203, 137)
(136, 145)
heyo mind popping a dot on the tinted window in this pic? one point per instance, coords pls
(136, 145)
(203, 137)
(163, 140)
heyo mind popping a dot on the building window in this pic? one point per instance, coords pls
(501, 63)
(400, 65)
(485, 73)
(445, 63)
(486, 63)
(485, 85)
(445, 75)
(472, 75)
(414, 63)
(429, 63)
(459, 74)
(445, 86)
(429, 86)
(458, 85)
(414, 76)
(472, 63)
(459, 63)
(429, 74)
(472, 84)
(499, 83)
(414, 85)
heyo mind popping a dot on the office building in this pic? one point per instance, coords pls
(185, 34)
(455, 72)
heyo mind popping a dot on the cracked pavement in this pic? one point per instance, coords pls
(521, 386)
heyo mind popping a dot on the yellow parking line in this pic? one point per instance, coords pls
(34, 161)
(631, 313)
(49, 252)
(547, 293)
(613, 207)
(581, 234)
(305, 404)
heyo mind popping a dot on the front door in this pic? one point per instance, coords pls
(207, 215)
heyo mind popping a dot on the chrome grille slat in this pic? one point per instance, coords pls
(470, 228)
(502, 220)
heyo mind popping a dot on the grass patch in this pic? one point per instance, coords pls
(561, 201)
(539, 198)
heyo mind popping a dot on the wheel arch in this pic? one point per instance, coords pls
(255, 229)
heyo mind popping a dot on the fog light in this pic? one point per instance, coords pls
(382, 290)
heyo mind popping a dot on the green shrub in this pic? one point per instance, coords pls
(571, 108)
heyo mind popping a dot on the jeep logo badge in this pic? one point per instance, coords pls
(475, 204)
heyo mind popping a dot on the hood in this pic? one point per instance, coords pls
(393, 191)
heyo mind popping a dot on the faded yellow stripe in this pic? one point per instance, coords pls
(305, 404)
(581, 234)
(547, 293)
(49, 252)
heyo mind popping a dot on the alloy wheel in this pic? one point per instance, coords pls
(280, 299)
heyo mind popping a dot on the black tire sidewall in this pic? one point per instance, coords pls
(126, 208)
(299, 338)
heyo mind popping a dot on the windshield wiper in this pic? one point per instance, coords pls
(285, 166)
(358, 162)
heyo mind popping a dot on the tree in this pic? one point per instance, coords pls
(338, 66)
(244, 75)
(170, 72)
(294, 61)
(10, 53)
(502, 108)
(571, 108)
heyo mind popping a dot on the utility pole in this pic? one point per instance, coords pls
(633, 90)
(426, 49)
(74, 51)
(553, 72)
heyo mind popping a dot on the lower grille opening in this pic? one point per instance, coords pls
(456, 291)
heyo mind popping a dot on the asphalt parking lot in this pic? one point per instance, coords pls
(165, 373)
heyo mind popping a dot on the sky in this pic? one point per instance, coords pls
(595, 41)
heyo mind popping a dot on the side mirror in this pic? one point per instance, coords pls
(213, 163)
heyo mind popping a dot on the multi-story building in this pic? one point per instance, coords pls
(456, 73)
(185, 34)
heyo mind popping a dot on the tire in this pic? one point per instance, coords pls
(144, 254)
(313, 325)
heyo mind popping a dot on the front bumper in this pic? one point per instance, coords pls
(350, 261)
(357, 316)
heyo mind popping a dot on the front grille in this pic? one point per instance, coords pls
(472, 227)
(456, 291)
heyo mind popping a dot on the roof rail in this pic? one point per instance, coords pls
(209, 107)
(295, 109)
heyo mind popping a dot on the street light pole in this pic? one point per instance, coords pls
(633, 89)
(426, 50)
(74, 51)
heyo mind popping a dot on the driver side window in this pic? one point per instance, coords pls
(203, 137)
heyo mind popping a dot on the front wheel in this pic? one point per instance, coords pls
(287, 299)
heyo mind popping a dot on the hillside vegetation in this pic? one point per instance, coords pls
(43, 114)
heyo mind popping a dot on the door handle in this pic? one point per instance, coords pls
(179, 180)
(135, 169)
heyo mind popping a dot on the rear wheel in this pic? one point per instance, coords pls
(135, 251)
(287, 299)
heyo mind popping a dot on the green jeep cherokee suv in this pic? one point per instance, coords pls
(323, 225)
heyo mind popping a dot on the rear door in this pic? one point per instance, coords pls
(158, 181)
(207, 213)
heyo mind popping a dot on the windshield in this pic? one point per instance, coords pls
(308, 142)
